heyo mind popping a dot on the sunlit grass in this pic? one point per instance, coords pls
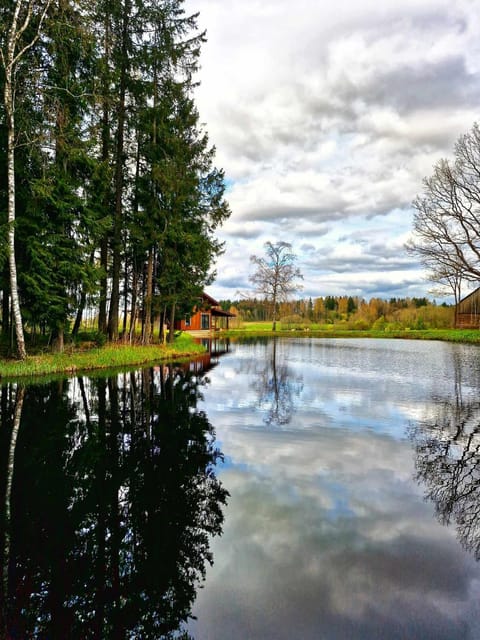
(250, 329)
(79, 358)
(75, 360)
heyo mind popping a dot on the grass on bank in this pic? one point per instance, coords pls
(78, 359)
(74, 359)
(251, 329)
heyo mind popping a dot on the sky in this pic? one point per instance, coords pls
(326, 117)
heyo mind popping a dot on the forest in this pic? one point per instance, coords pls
(350, 312)
(109, 195)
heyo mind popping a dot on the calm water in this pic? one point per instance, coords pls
(335, 485)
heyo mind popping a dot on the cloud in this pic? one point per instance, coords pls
(328, 118)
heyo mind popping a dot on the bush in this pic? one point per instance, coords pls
(380, 324)
(294, 322)
(99, 339)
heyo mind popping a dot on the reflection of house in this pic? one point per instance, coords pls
(467, 313)
(207, 315)
(215, 348)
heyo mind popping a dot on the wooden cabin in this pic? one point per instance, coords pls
(467, 312)
(206, 316)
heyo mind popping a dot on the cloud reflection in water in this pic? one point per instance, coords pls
(327, 533)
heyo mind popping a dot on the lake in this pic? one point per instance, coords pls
(277, 489)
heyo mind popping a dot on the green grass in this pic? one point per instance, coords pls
(76, 360)
(470, 336)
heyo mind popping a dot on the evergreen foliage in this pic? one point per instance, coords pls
(117, 196)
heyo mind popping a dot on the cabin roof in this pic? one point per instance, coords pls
(222, 314)
(216, 310)
(210, 300)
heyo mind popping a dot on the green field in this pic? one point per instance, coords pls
(471, 336)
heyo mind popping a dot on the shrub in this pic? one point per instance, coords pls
(294, 322)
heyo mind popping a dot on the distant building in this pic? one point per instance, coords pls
(206, 316)
(467, 312)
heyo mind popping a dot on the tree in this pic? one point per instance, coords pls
(111, 187)
(446, 222)
(275, 275)
(17, 43)
(57, 231)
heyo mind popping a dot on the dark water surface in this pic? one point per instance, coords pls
(335, 484)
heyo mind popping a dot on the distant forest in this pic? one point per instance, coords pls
(348, 311)
(109, 196)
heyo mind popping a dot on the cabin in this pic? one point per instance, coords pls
(467, 312)
(206, 316)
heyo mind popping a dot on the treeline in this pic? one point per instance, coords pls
(116, 197)
(350, 311)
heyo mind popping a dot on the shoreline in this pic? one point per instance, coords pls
(75, 361)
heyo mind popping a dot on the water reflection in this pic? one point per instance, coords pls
(327, 534)
(277, 386)
(448, 464)
(109, 506)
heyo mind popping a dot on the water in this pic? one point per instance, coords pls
(335, 485)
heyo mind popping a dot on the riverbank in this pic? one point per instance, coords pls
(467, 336)
(77, 359)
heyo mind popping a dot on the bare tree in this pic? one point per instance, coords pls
(275, 275)
(446, 222)
(448, 283)
(11, 54)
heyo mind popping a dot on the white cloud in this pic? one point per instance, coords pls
(329, 117)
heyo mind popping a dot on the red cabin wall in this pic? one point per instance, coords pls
(195, 322)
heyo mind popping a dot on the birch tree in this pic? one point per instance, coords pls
(16, 46)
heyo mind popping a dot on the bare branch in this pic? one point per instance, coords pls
(276, 274)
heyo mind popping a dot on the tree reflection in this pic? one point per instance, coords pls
(448, 463)
(276, 386)
(112, 505)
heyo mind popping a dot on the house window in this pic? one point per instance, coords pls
(205, 321)
(187, 321)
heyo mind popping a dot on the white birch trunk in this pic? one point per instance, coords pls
(12, 263)
(13, 51)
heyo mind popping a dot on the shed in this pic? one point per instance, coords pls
(467, 312)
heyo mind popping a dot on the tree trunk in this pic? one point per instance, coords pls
(10, 59)
(133, 313)
(274, 312)
(161, 329)
(58, 342)
(119, 152)
(102, 309)
(9, 109)
(147, 324)
(171, 332)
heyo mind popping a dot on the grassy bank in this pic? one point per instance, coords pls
(468, 336)
(75, 360)
(78, 359)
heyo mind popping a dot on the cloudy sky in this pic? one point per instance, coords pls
(326, 117)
